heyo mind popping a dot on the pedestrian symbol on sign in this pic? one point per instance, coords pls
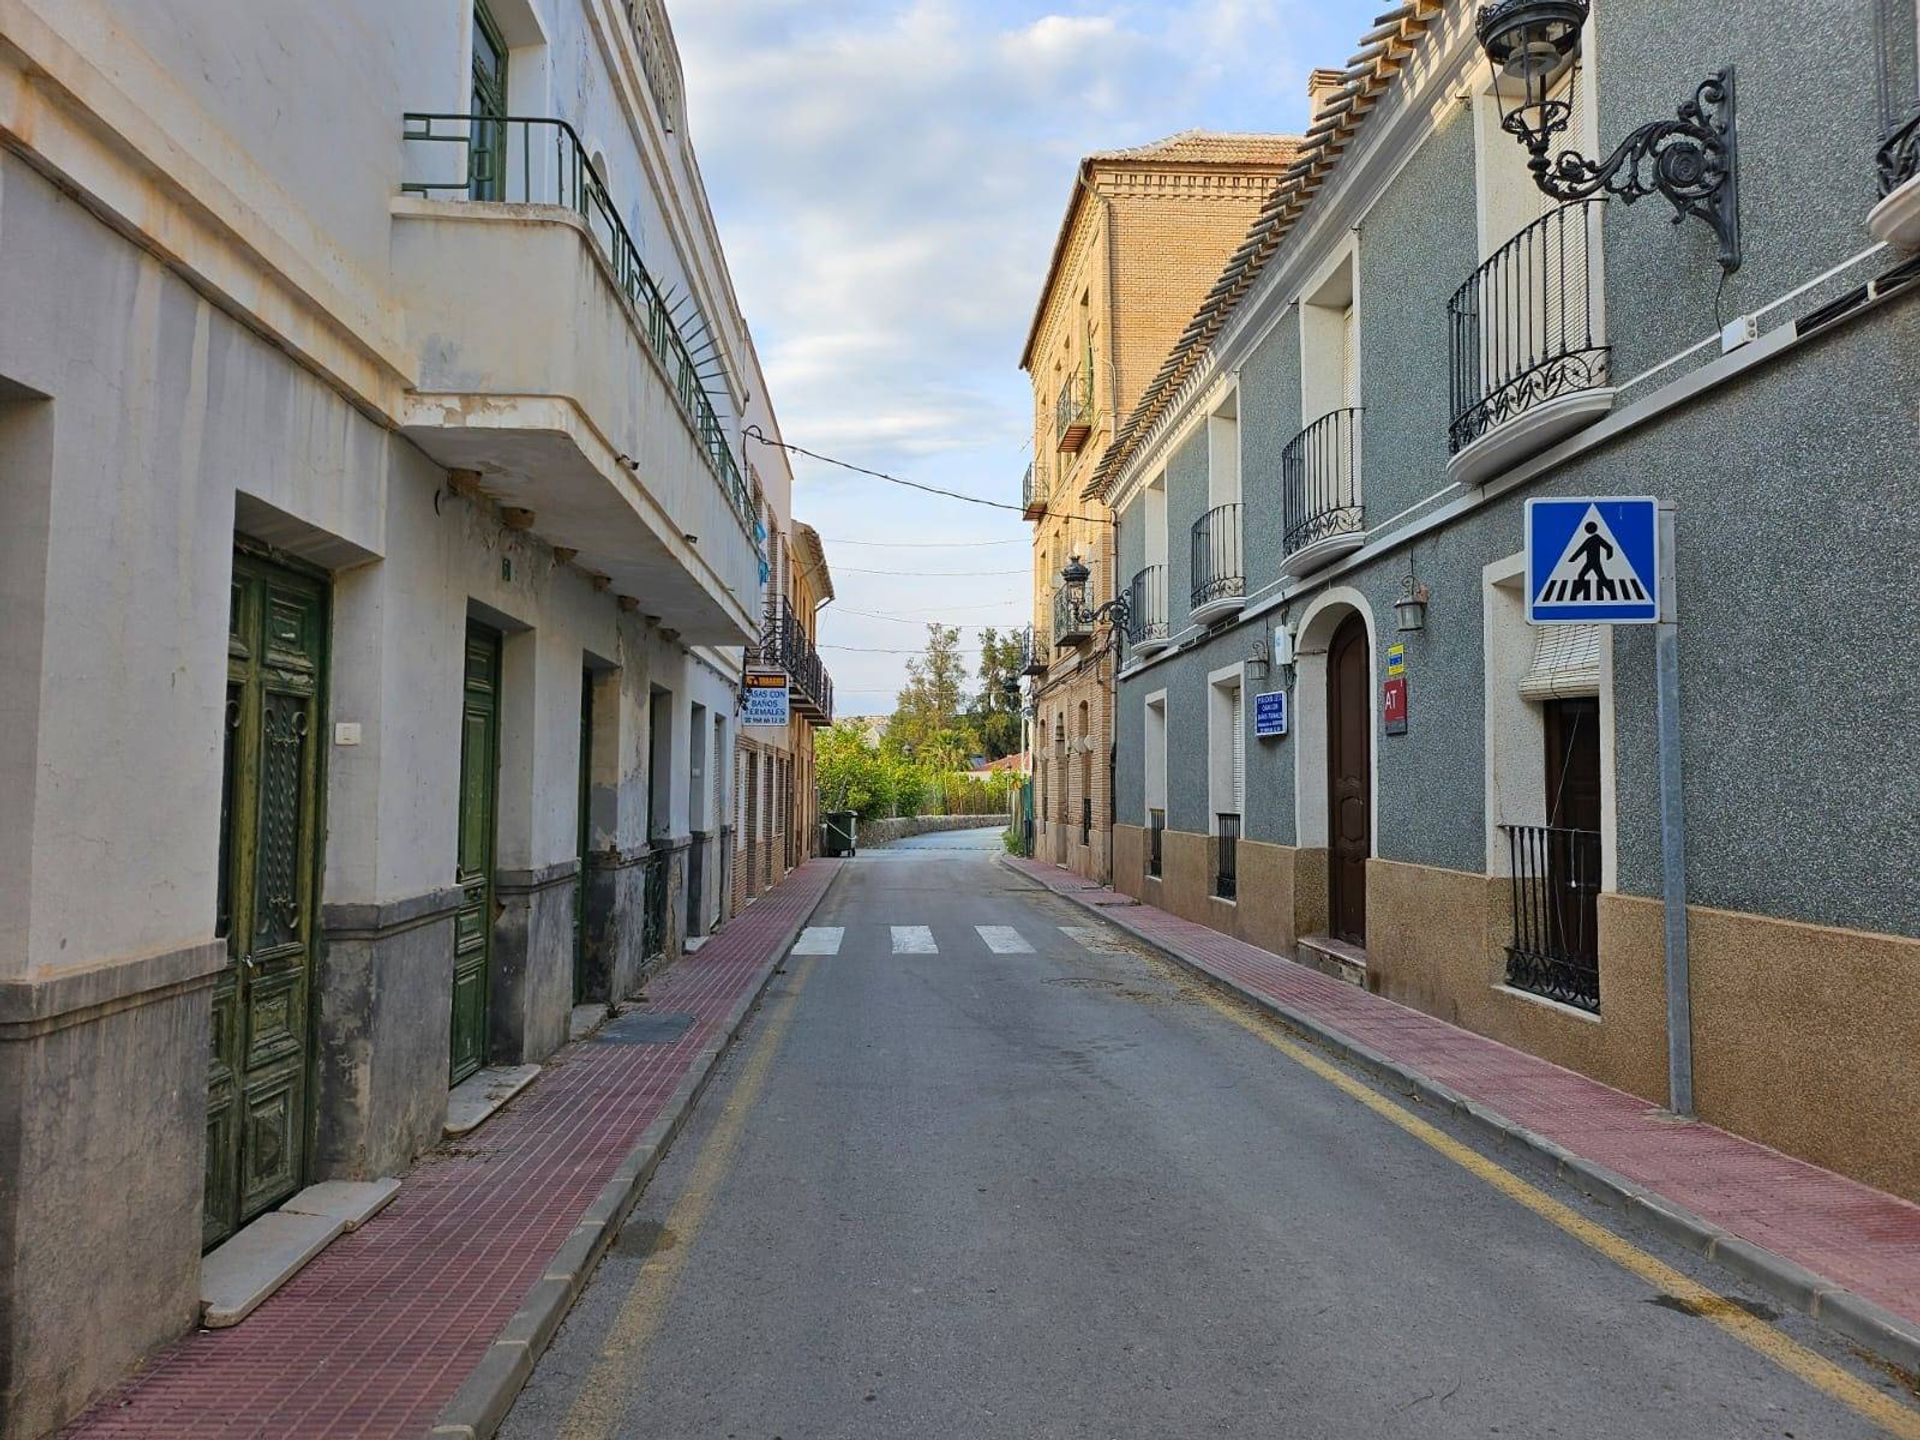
(1591, 561)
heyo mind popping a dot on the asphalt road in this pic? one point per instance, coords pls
(951, 1186)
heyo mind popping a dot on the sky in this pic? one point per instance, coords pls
(889, 177)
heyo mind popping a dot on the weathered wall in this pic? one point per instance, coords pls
(876, 833)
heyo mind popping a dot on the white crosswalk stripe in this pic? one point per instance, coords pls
(1097, 940)
(914, 940)
(1004, 940)
(820, 940)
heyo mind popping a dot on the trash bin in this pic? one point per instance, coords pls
(842, 833)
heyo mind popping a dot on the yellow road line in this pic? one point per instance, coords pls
(1825, 1376)
(603, 1395)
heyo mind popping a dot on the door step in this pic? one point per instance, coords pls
(240, 1273)
(1334, 957)
(483, 1092)
(586, 1019)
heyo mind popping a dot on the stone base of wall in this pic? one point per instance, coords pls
(1803, 1035)
(103, 1117)
(1282, 889)
(874, 833)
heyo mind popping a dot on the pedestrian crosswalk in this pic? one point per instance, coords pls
(922, 940)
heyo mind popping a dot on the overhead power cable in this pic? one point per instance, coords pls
(930, 574)
(927, 544)
(754, 432)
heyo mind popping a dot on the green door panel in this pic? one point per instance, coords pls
(258, 1085)
(473, 922)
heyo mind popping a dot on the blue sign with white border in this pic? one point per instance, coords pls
(1593, 561)
(1270, 715)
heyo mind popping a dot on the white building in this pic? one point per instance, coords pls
(375, 558)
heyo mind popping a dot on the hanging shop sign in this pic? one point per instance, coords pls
(766, 699)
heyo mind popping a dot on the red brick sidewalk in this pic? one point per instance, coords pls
(1846, 1234)
(375, 1336)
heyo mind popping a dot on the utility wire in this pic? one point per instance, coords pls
(754, 432)
(930, 574)
(926, 544)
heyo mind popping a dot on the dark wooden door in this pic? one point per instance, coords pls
(473, 923)
(1573, 818)
(1350, 780)
(258, 1090)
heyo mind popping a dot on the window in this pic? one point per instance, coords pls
(487, 150)
(1330, 341)
(1156, 753)
(1549, 788)
(1226, 743)
(1322, 514)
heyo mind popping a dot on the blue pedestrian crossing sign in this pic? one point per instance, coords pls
(1593, 561)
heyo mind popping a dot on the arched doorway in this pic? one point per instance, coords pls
(1349, 779)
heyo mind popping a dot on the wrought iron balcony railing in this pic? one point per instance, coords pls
(1556, 884)
(1073, 413)
(1147, 608)
(1218, 572)
(1156, 846)
(1898, 160)
(1320, 483)
(784, 645)
(1226, 857)
(1033, 492)
(1072, 616)
(534, 161)
(1526, 328)
(1033, 658)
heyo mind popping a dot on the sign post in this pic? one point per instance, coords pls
(1608, 560)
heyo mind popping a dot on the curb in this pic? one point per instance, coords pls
(484, 1398)
(1796, 1287)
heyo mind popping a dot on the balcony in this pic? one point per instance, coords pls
(1033, 659)
(1896, 219)
(1147, 611)
(1219, 576)
(1072, 620)
(1073, 414)
(552, 367)
(1321, 514)
(785, 645)
(1530, 361)
(1033, 493)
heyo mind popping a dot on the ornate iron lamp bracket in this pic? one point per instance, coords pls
(1690, 159)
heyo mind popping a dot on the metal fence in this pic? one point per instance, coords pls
(1156, 848)
(1320, 481)
(785, 645)
(540, 161)
(1526, 328)
(1218, 572)
(1226, 858)
(1147, 606)
(1556, 886)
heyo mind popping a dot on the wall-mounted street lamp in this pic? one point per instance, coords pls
(1410, 610)
(1116, 612)
(1689, 159)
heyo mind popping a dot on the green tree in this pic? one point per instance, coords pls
(996, 710)
(928, 725)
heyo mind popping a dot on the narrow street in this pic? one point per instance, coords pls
(981, 1167)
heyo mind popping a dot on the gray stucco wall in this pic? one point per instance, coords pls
(1808, 126)
(1186, 503)
(1416, 247)
(1796, 561)
(1269, 418)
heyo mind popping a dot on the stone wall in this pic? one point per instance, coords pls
(875, 833)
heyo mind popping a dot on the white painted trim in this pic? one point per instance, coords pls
(1157, 699)
(1216, 610)
(1528, 433)
(1309, 720)
(1559, 1007)
(1896, 220)
(1227, 675)
(1324, 551)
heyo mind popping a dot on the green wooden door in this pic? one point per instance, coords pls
(583, 820)
(258, 1094)
(473, 925)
